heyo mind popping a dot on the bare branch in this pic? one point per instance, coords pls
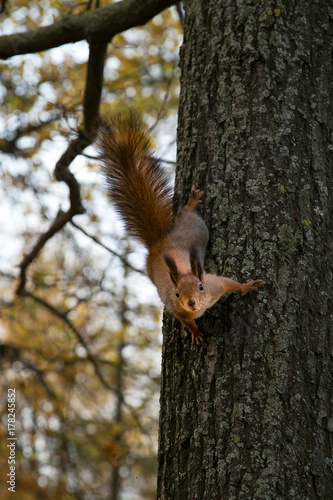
(96, 240)
(94, 85)
(163, 106)
(3, 5)
(180, 13)
(59, 222)
(90, 356)
(97, 26)
(10, 146)
(80, 338)
(84, 139)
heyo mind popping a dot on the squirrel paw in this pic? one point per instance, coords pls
(253, 286)
(194, 198)
(197, 338)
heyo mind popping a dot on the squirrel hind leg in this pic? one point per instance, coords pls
(194, 198)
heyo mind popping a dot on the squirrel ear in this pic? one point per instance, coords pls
(196, 265)
(172, 268)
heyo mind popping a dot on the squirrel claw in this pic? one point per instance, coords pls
(253, 286)
(194, 198)
(197, 338)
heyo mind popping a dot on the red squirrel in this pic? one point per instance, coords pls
(176, 242)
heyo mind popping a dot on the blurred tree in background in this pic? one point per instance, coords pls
(79, 326)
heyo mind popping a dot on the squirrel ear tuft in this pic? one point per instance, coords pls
(196, 264)
(170, 262)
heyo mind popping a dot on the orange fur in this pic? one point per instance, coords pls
(136, 183)
(176, 243)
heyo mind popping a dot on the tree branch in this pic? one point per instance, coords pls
(80, 338)
(96, 240)
(90, 357)
(98, 26)
(84, 139)
(94, 85)
(10, 146)
(59, 222)
(92, 99)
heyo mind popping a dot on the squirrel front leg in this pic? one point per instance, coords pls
(216, 286)
(194, 198)
(230, 285)
(195, 332)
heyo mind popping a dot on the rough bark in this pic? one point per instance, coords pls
(249, 414)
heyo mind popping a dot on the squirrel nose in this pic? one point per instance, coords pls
(191, 302)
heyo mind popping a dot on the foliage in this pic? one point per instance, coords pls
(79, 322)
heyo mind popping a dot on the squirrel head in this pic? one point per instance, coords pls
(189, 288)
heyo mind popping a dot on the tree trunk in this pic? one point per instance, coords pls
(248, 415)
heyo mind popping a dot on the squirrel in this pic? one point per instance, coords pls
(176, 242)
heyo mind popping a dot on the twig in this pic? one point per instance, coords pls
(90, 356)
(79, 336)
(163, 105)
(61, 219)
(62, 173)
(180, 13)
(96, 240)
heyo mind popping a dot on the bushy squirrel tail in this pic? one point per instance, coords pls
(135, 180)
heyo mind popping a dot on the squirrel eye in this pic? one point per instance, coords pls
(200, 287)
(177, 294)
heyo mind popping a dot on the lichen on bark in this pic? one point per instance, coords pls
(249, 414)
